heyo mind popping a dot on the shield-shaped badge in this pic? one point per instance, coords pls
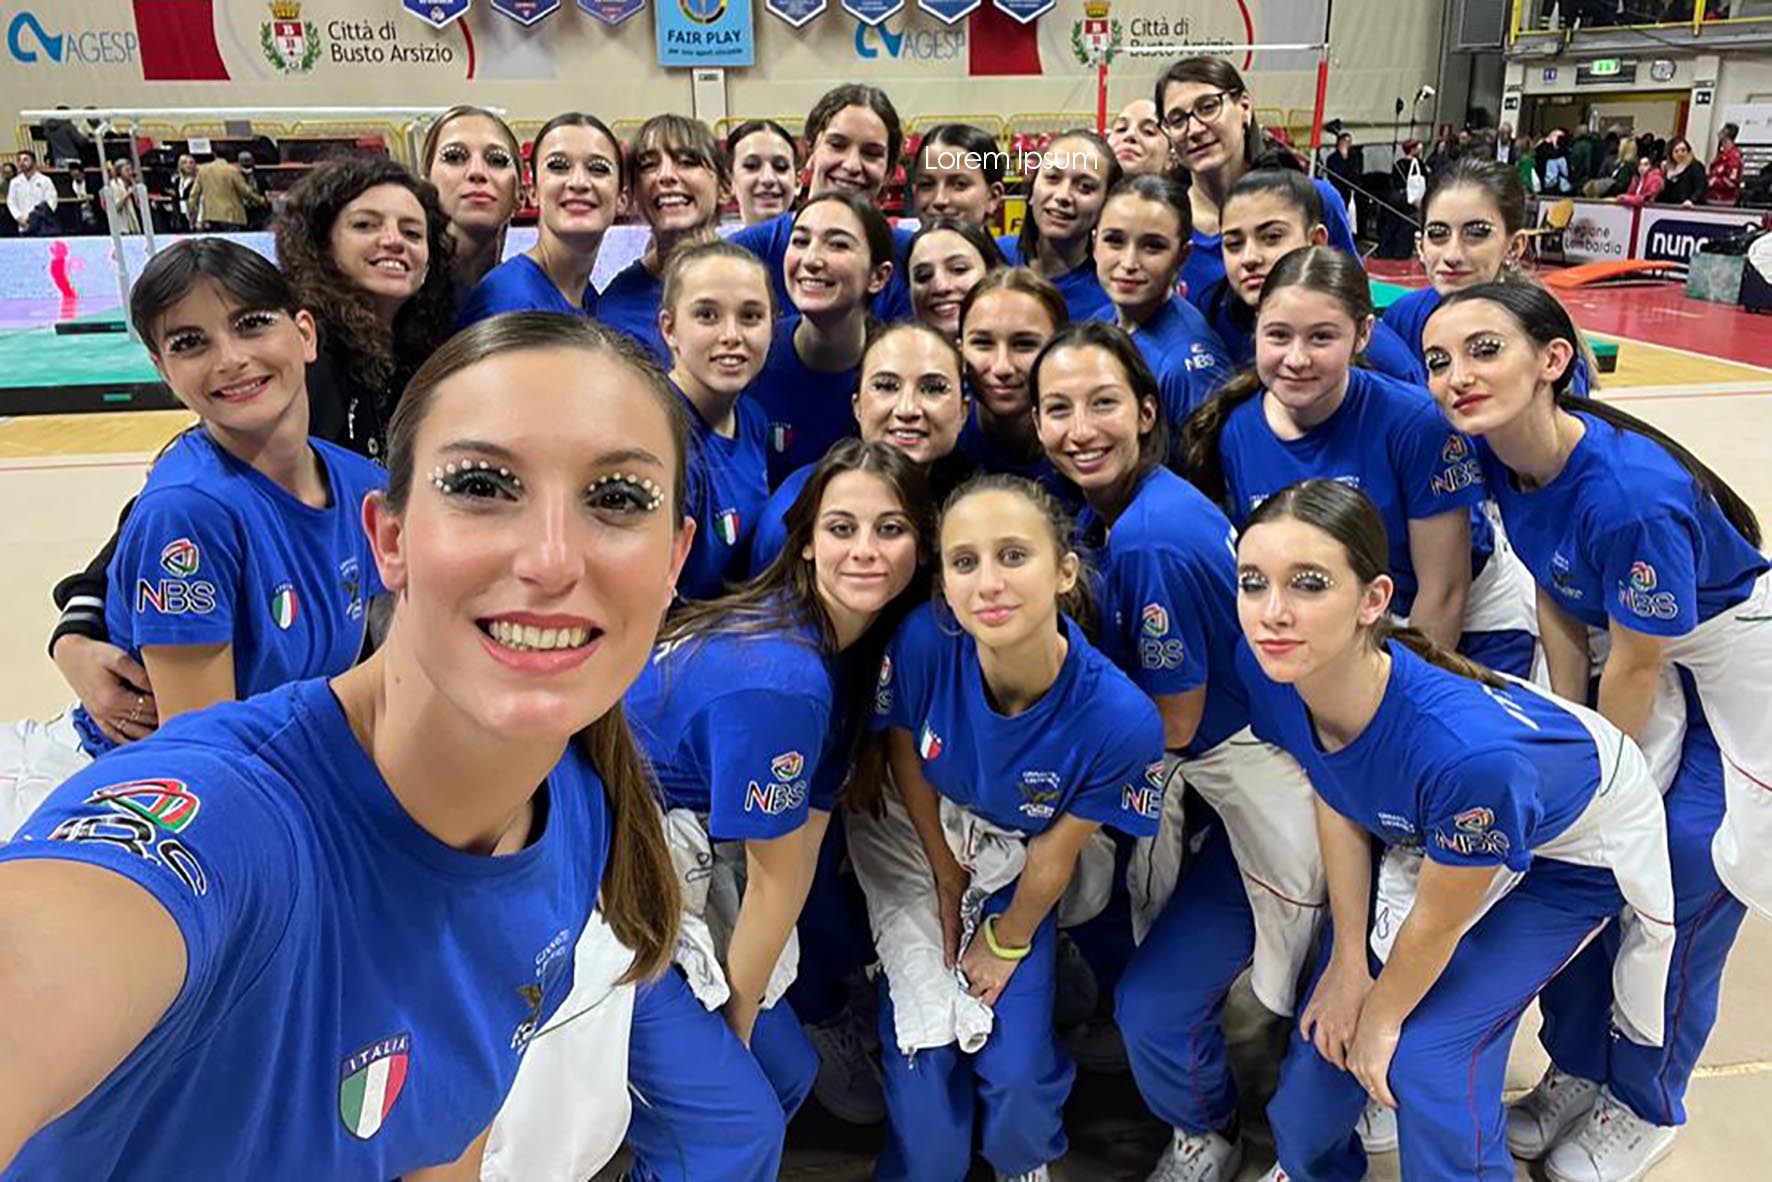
(437, 13)
(526, 12)
(612, 12)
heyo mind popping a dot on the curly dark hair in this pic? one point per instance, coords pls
(345, 313)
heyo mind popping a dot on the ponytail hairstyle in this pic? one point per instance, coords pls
(685, 257)
(1293, 188)
(856, 94)
(1323, 269)
(1153, 445)
(1350, 518)
(1076, 603)
(1543, 319)
(640, 897)
(1029, 239)
(1161, 188)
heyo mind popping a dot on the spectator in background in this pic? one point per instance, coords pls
(222, 196)
(1624, 170)
(1504, 143)
(1647, 185)
(31, 198)
(1685, 175)
(1609, 148)
(122, 190)
(184, 194)
(1344, 166)
(8, 227)
(68, 140)
(1444, 153)
(1553, 165)
(1525, 163)
(1724, 179)
(1585, 153)
(257, 216)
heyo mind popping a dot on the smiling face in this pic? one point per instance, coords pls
(676, 187)
(720, 328)
(1003, 333)
(380, 243)
(1137, 138)
(242, 370)
(1068, 191)
(948, 184)
(1301, 606)
(850, 154)
(1001, 568)
(911, 396)
(476, 174)
(531, 588)
(1260, 230)
(864, 547)
(1483, 369)
(763, 176)
(943, 268)
(1463, 240)
(1305, 342)
(578, 182)
(1090, 420)
(1207, 129)
(827, 264)
(1139, 250)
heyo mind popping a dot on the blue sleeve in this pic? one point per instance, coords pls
(766, 239)
(1390, 356)
(1341, 233)
(771, 534)
(180, 563)
(899, 692)
(1438, 467)
(1649, 570)
(184, 825)
(1159, 603)
(366, 477)
(1482, 810)
(1125, 789)
(492, 295)
(760, 749)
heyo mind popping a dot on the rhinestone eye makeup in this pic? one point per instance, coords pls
(443, 477)
(654, 494)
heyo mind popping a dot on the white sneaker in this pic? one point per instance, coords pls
(1042, 1174)
(848, 1083)
(1378, 1128)
(1540, 1118)
(1614, 1145)
(1198, 1157)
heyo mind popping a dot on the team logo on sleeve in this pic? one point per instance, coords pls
(775, 798)
(284, 606)
(1562, 578)
(167, 803)
(1155, 619)
(175, 597)
(1154, 651)
(787, 766)
(1462, 469)
(1640, 597)
(1474, 833)
(928, 743)
(181, 558)
(369, 1081)
(726, 525)
(1143, 800)
(1041, 794)
(781, 437)
(1199, 357)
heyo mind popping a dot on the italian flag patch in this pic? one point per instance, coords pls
(284, 607)
(370, 1081)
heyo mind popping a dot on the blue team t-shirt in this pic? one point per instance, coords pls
(630, 302)
(1625, 533)
(215, 552)
(1386, 439)
(357, 995)
(1185, 355)
(807, 411)
(989, 457)
(1471, 775)
(746, 728)
(1092, 746)
(1168, 601)
(1084, 296)
(728, 484)
(1205, 263)
(769, 241)
(1408, 316)
(519, 285)
(771, 533)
